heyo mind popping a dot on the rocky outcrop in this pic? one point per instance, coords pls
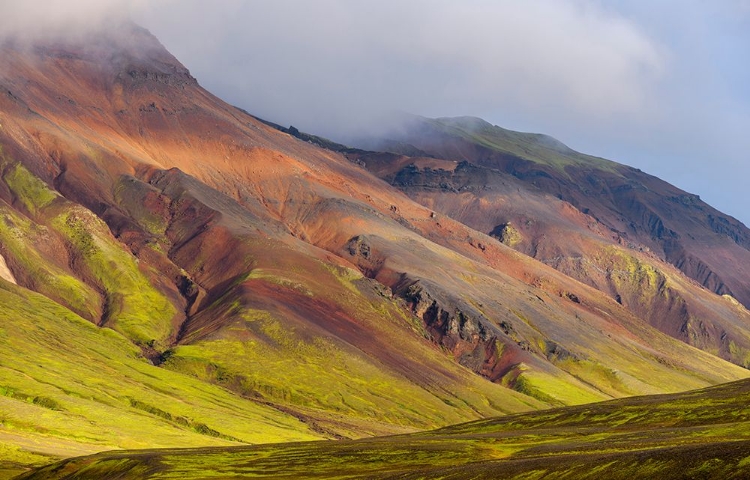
(507, 234)
(607, 225)
(474, 340)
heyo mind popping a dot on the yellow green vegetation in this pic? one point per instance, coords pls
(15, 460)
(130, 194)
(626, 271)
(69, 387)
(529, 146)
(22, 239)
(134, 307)
(377, 370)
(279, 279)
(702, 434)
(126, 297)
(591, 372)
(509, 235)
(554, 390)
(30, 190)
(739, 354)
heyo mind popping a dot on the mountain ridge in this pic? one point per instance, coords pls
(632, 210)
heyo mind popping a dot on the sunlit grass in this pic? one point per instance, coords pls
(702, 434)
(61, 377)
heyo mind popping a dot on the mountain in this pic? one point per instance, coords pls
(699, 434)
(180, 273)
(640, 240)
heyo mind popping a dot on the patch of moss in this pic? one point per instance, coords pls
(19, 236)
(40, 400)
(529, 146)
(739, 354)
(134, 307)
(30, 190)
(131, 304)
(280, 280)
(198, 427)
(507, 234)
(553, 390)
(131, 194)
(67, 387)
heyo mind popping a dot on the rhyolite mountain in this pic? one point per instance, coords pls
(610, 226)
(180, 273)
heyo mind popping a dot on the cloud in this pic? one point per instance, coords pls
(39, 19)
(329, 65)
(659, 85)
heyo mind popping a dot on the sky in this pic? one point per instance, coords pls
(662, 85)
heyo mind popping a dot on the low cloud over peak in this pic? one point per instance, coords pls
(330, 64)
(31, 20)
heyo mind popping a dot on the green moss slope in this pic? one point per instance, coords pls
(701, 434)
(534, 147)
(116, 286)
(19, 237)
(133, 306)
(68, 387)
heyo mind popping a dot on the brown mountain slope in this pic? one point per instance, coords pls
(707, 245)
(538, 197)
(282, 272)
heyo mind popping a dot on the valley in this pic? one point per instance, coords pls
(700, 434)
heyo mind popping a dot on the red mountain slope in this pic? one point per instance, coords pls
(615, 228)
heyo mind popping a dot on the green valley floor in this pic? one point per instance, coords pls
(699, 434)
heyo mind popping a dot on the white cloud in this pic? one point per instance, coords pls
(34, 19)
(328, 63)
(325, 64)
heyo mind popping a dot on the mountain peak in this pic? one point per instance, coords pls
(265, 289)
(468, 122)
(476, 125)
(121, 47)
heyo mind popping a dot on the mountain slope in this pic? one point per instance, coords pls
(225, 252)
(127, 274)
(643, 209)
(699, 434)
(607, 225)
(68, 387)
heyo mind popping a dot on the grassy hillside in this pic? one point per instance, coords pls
(68, 387)
(700, 434)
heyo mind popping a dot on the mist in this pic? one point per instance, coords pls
(331, 66)
(39, 20)
(658, 85)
